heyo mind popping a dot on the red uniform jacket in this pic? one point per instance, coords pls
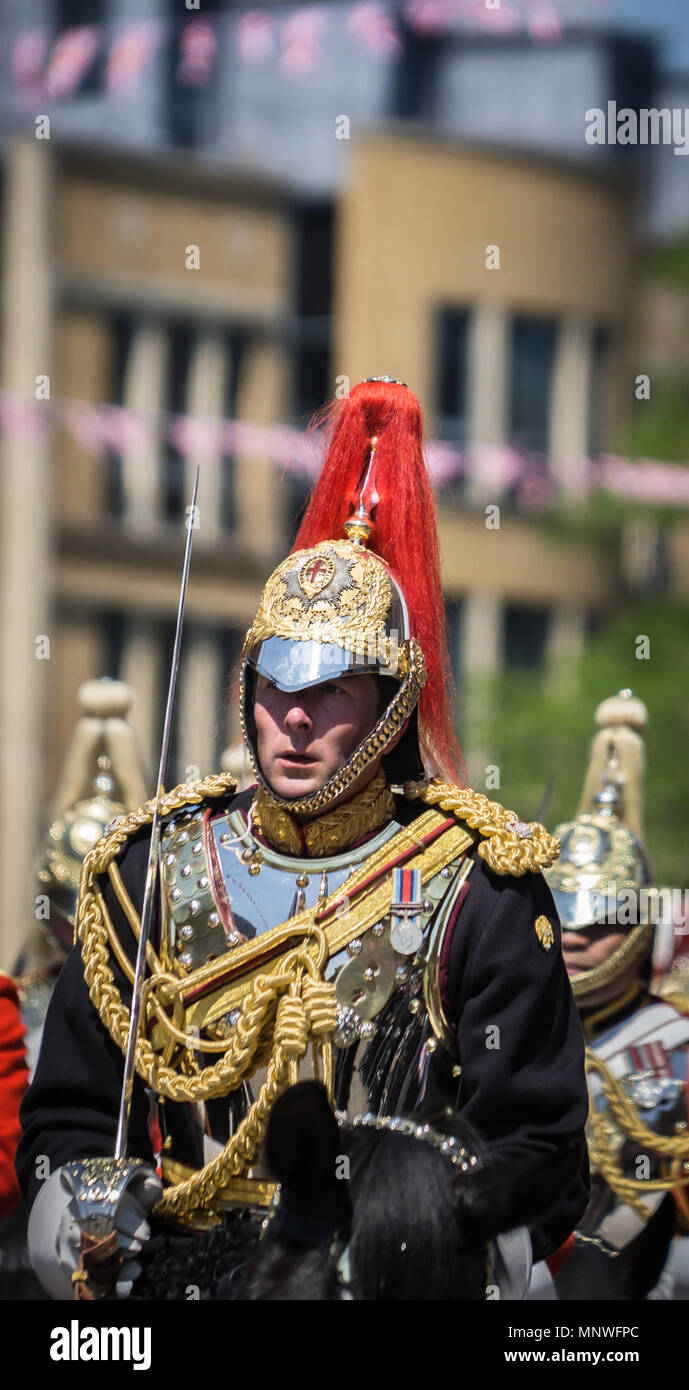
(14, 1079)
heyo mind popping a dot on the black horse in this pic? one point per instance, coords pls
(376, 1213)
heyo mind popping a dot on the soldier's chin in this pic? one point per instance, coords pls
(296, 780)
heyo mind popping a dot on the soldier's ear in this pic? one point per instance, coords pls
(302, 1139)
(516, 1192)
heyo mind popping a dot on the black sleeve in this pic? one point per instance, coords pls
(520, 1041)
(71, 1108)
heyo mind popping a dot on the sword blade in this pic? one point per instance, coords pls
(545, 800)
(153, 857)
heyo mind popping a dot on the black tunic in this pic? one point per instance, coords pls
(523, 1086)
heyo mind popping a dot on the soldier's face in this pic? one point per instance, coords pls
(304, 737)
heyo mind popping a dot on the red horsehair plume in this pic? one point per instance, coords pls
(405, 533)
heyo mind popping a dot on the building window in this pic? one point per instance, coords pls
(163, 638)
(235, 346)
(173, 477)
(414, 76)
(525, 636)
(313, 239)
(112, 626)
(532, 355)
(122, 331)
(73, 14)
(190, 108)
(452, 356)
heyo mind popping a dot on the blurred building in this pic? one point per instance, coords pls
(316, 262)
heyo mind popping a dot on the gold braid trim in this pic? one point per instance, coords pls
(501, 848)
(601, 1150)
(286, 1009)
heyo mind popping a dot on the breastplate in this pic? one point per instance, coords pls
(223, 886)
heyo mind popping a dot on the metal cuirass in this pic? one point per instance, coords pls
(222, 887)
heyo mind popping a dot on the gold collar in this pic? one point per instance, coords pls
(329, 833)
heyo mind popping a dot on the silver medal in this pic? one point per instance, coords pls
(406, 935)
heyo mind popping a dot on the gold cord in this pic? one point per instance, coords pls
(626, 1117)
(288, 1008)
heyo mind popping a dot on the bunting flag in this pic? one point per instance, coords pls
(505, 19)
(293, 37)
(132, 49)
(71, 58)
(497, 471)
(255, 36)
(300, 39)
(544, 23)
(27, 62)
(429, 17)
(198, 47)
(374, 27)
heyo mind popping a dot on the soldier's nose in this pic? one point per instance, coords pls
(297, 717)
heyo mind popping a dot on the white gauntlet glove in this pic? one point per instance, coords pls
(54, 1232)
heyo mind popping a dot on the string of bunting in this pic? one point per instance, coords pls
(498, 470)
(52, 67)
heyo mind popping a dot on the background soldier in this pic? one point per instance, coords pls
(102, 777)
(637, 1031)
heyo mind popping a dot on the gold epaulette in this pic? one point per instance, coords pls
(508, 844)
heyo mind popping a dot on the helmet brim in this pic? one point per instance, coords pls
(293, 665)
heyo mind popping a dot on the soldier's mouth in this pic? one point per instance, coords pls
(297, 759)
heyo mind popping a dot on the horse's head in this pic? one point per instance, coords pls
(405, 1212)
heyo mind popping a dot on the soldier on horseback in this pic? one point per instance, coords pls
(635, 1018)
(358, 913)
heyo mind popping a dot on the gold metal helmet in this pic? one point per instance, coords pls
(602, 875)
(328, 611)
(101, 779)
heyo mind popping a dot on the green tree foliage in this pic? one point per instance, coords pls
(659, 428)
(537, 729)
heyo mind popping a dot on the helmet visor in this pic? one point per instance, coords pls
(292, 665)
(591, 908)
